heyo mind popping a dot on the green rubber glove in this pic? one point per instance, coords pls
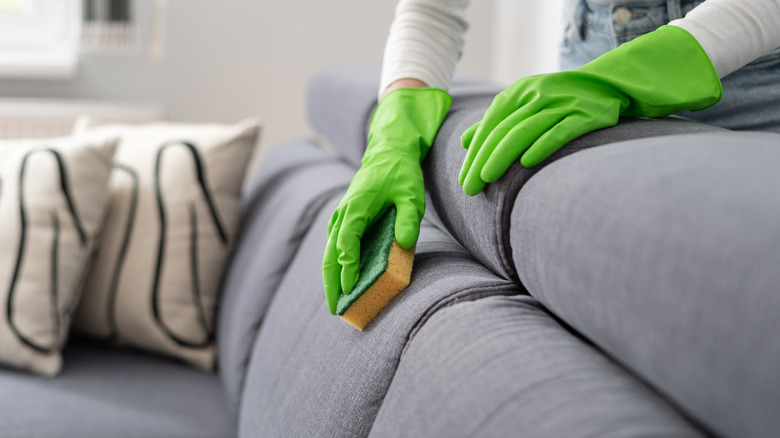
(401, 132)
(655, 75)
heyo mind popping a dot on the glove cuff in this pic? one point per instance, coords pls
(690, 62)
(408, 118)
(661, 73)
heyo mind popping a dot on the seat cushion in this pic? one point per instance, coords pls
(110, 393)
(312, 374)
(665, 252)
(502, 366)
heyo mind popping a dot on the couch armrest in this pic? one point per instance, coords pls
(481, 223)
(288, 189)
(664, 252)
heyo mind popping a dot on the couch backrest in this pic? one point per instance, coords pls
(502, 366)
(289, 189)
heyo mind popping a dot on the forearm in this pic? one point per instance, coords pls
(402, 83)
(425, 42)
(734, 32)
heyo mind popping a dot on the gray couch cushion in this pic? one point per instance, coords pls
(106, 393)
(312, 374)
(288, 190)
(486, 234)
(341, 113)
(502, 366)
(665, 252)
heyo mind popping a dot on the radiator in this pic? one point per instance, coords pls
(37, 118)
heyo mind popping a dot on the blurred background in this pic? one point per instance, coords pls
(209, 61)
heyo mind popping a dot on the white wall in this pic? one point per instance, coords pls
(526, 37)
(231, 59)
(227, 60)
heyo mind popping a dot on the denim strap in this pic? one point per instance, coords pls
(673, 8)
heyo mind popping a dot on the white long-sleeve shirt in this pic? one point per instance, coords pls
(426, 37)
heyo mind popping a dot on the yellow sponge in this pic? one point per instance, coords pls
(385, 270)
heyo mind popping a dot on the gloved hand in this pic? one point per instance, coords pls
(401, 132)
(655, 75)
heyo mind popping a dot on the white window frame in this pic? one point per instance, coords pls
(41, 41)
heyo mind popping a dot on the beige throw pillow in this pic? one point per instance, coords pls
(175, 200)
(53, 198)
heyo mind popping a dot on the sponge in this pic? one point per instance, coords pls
(385, 270)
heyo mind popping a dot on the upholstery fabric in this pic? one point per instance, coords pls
(288, 191)
(53, 199)
(502, 366)
(175, 203)
(340, 114)
(486, 235)
(665, 252)
(118, 394)
(312, 374)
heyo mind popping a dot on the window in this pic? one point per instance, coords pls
(108, 26)
(14, 7)
(39, 38)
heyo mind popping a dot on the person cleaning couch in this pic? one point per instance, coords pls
(696, 61)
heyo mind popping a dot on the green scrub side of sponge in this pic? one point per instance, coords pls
(385, 270)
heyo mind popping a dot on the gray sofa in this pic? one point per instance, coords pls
(628, 287)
